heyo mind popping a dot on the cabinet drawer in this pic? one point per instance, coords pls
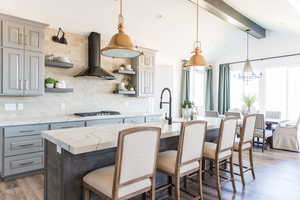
(104, 121)
(22, 145)
(154, 118)
(134, 120)
(23, 163)
(25, 130)
(64, 125)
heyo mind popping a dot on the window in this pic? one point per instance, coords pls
(279, 90)
(198, 86)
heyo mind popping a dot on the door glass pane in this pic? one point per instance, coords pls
(293, 93)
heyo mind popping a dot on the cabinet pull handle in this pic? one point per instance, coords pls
(29, 131)
(68, 127)
(25, 145)
(26, 163)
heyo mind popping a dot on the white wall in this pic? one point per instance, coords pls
(275, 44)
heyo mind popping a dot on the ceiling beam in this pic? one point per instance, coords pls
(222, 10)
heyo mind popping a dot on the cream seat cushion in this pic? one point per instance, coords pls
(102, 180)
(167, 162)
(237, 143)
(210, 151)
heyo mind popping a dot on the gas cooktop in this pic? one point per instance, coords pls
(100, 113)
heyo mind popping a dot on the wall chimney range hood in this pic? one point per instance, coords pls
(94, 59)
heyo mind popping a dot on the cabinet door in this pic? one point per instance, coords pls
(33, 38)
(13, 67)
(1, 72)
(146, 81)
(13, 34)
(33, 73)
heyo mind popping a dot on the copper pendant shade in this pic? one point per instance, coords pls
(197, 60)
(120, 45)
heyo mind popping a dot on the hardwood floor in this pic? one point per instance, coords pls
(277, 177)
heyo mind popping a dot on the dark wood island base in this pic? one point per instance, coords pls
(64, 171)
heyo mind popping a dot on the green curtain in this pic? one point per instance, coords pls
(209, 102)
(185, 88)
(224, 88)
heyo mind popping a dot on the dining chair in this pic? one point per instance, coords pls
(233, 114)
(260, 131)
(211, 114)
(135, 168)
(287, 137)
(186, 160)
(245, 143)
(222, 151)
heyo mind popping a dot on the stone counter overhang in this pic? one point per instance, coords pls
(89, 139)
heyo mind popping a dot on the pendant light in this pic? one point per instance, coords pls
(120, 45)
(197, 61)
(248, 73)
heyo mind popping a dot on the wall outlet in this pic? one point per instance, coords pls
(10, 107)
(20, 107)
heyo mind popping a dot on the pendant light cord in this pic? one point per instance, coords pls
(197, 21)
(121, 19)
(247, 45)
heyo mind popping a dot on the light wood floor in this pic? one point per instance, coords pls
(277, 172)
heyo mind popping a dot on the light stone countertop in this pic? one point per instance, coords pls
(66, 118)
(88, 139)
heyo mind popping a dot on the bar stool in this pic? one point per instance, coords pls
(222, 151)
(245, 143)
(127, 178)
(187, 160)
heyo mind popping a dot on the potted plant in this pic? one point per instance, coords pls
(187, 108)
(49, 82)
(249, 101)
(130, 87)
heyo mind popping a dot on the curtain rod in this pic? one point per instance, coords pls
(266, 58)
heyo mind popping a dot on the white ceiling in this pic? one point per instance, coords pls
(165, 25)
(274, 15)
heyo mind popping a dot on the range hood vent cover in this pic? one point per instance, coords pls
(94, 56)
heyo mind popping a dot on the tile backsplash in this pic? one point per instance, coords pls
(90, 93)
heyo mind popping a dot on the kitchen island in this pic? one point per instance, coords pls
(71, 153)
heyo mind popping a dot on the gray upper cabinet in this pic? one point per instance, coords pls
(33, 73)
(22, 66)
(145, 68)
(13, 34)
(13, 70)
(34, 38)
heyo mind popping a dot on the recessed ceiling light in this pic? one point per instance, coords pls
(295, 4)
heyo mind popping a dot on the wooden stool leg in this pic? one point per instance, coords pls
(200, 180)
(177, 188)
(232, 175)
(170, 188)
(251, 162)
(185, 182)
(217, 168)
(86, 193)
(241, 167)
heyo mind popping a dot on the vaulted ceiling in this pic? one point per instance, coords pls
(166, 25)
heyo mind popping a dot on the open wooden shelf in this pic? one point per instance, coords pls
(59, 90)
(127, 92)
(128, 72)
(58, 64)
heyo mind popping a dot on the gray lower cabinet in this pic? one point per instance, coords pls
(23, 163)
(26, 130)
(104, 121)
(134, 120)
(21, 145)
(63, 125)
